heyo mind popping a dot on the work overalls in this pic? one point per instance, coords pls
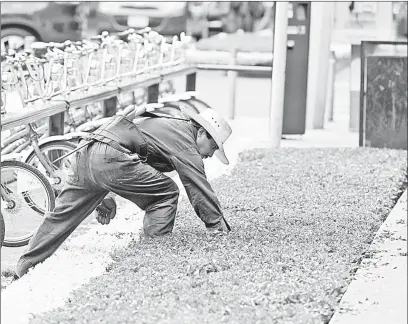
(128, 160)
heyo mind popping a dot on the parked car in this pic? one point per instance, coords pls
(44, 21)
(167, 18)
(52, 22)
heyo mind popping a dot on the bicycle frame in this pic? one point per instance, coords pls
(44, 160)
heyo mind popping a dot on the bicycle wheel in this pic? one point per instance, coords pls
(192, 105)
(53, 150)
(198, 103)
(26, 195)
(186, 107)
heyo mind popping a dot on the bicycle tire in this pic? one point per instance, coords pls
(65, 144)
(54, 145)
(184, 106)
(48, 190)
(199, 104)
(193, 105)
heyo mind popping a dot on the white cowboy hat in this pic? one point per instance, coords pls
(217, 127)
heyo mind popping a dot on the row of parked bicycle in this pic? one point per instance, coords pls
(50, 70)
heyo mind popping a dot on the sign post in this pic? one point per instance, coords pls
(278, 73)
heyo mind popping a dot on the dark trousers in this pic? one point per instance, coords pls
(96, 170)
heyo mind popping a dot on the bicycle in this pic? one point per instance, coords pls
(26, 195)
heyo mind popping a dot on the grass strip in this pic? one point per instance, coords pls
(302, 220)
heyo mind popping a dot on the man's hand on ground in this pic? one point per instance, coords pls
(216, 231)
(106, 211)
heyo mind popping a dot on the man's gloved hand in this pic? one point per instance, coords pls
(106, 211)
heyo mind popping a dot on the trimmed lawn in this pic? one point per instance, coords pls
(301, 221)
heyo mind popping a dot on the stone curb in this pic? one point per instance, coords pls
(378, 292)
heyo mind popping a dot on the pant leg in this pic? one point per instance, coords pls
(151, 190)
(78, 198)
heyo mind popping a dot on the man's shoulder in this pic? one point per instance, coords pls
(166, 128)
(170, 124)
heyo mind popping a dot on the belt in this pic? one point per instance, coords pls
(103, 139)
(110, 142)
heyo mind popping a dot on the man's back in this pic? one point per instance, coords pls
(167, 137)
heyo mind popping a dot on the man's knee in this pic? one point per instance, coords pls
(170, 191)
(171, 197)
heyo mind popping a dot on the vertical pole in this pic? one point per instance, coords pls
(191, 81)
(56, 124)
(153, 93)
(278, 73)
(355, 79)
(361, 130)
(109, 107)
(330, 87)
(323, 15)
(232, 81)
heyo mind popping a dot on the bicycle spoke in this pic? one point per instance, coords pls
(27, 197)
